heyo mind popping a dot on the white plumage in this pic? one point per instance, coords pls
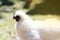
(27, 29)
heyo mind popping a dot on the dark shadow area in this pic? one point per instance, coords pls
(27, 3)
(6, 2)
(48, 7)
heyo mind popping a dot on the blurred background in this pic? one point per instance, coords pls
(38, 10)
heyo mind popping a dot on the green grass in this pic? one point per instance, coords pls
(7, 30)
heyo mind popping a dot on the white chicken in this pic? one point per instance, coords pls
(25, 26)
(27, 29)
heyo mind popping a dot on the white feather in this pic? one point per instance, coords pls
(27, 29)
